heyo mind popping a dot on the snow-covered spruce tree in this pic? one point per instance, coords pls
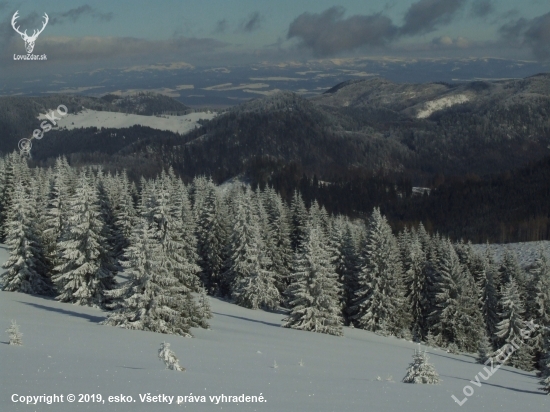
(16, 337)
(484, 349)
(13, 173)
(470, 325)
(152, 299)
(415, 281)
(169, 358)
(107, 197)
(420, 370)
(204, 310)
(56, 210)
(538, 309)
(335, 248)
(511, 269)
(512, 316)
(189, 239)
(168, 227)
(125, 216)
(252, 282)
(456, 317)
(85, 270)
(299, 221)
(318, 217)
(351, 267)
(313, 295)
(523, 358)
(379, 303)
(430, 247)
(26, 268)
(431, 340)
(484, 274)
(509, 329)
(211, 232)
(279, 223)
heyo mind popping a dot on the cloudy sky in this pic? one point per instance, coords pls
(99, 34)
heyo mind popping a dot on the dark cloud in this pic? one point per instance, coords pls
(482, 8)
(221, 26)
(73, 15)
(3, 5)
(534, 33)
(425, 15)
(252, 23)
(329, 33)
(538, 37)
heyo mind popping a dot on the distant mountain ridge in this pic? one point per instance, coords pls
(421, 130)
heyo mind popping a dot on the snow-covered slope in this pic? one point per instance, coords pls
(66, 352)
(433, 106)
(116, 120)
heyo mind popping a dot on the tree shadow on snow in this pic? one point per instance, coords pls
(248, 319)
(450, 357)
(495, 385)
(91, 318)
(128, 367)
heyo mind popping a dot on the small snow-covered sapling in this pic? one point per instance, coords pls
(421, 371)
(15, 334)
(169, 357)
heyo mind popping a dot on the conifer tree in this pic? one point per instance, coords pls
(313, 293)
(455, 318)
(14, 334)
(279, 224)
(350, 271)
(168, 226)
(379, 303)
(539, 302)
(299, 221)
(12, 175)
(488, 295)
(421, 371)
(211, 239)
(86, 268)
(26, 268)
(153, 298)
(510, 269)
(124, 215)
(56, 210)
(252, 282)
(484, 350)
(415, 282)
(522, 358)
(204, 310)
(509, 329)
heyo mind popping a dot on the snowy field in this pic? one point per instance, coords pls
(440, 104)
(65, 351)
(114, 120)
(526, 252)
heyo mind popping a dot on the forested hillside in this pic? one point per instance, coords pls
(71, 230)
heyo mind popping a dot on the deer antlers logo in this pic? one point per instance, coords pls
(29, 40)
